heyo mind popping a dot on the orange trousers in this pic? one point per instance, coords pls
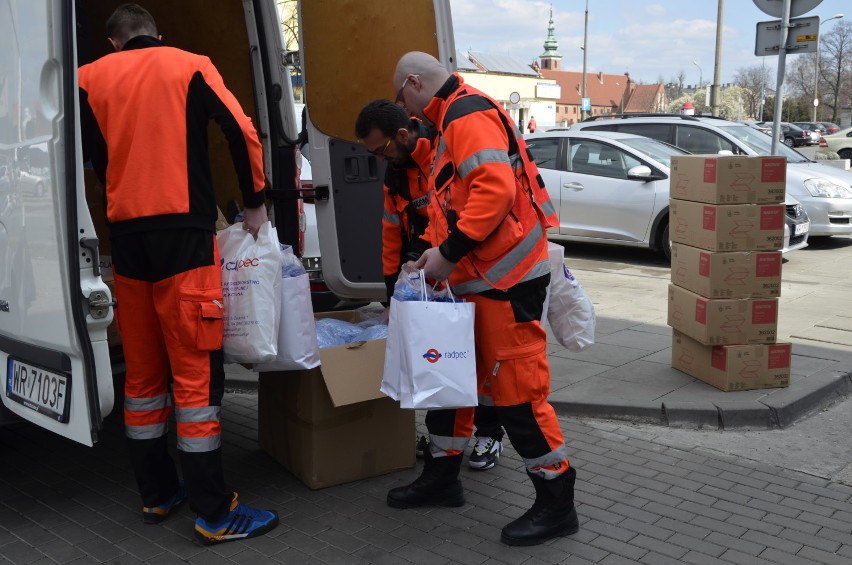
(513, 375)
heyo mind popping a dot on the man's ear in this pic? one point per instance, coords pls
(403, 135)
(116, 44)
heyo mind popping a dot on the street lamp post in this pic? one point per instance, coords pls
(700, 74)
(816, 67)
(583, 113)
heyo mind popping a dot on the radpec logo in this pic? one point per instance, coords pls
(433, 355)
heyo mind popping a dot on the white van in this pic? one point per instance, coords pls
(55, 306)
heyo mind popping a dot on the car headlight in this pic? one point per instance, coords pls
(822, 188)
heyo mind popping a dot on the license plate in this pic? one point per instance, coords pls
(802, 229)
(38, 389)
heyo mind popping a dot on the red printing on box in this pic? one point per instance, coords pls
(772, 217)
(709, 222)
(773, 170)
(719, 358)
(704, 264)
(701, 311)
(767, 264)
(710, 171)
(779, 356)
(764, 311)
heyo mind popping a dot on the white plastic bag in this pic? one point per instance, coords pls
(251, 278)
(570, 312)
(432, 345)
(297, 336)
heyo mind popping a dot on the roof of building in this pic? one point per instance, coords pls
(505, 64)
(463, 63)
(603, 89)
(645, 98)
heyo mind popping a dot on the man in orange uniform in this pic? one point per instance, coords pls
(145, 111)
(487, 221)
(407, 145)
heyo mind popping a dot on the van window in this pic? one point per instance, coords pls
(701, 141)
(660, 132)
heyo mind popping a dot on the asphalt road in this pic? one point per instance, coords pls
(819, 444)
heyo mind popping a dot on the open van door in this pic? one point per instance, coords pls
(54, 306)
(349, 51)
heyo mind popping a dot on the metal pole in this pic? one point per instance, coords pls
(583, 113)
(715, 89)
(779, 82)
(762, 87)
(816, 67)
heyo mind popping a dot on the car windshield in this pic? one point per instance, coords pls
(761, 143)
(660, 152)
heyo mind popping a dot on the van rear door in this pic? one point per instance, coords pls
(349, 51)
(54, 306)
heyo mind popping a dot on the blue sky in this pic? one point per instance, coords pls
(647, 38)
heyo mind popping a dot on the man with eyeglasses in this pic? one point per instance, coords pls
(409, 152)
(488, 217)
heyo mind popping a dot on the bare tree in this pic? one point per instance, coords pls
(836, 66)
(753, 82)
(674, 88)
(799, 80)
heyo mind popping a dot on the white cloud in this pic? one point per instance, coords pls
(655, 10)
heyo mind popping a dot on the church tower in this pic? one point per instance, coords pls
(550, 57)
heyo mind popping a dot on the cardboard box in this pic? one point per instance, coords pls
(723, 321)
(727, 227)
(332, 425)
(729, 179)
(733, 367)
(727, 274)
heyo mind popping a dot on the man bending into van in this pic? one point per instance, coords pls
(145, 110)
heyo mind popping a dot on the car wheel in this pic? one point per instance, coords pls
(845, 153)
(665, 244)
(788, 141)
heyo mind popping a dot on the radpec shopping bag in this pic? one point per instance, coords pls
(436, 355)
(251, 277)
(570, 312)
(297, 335)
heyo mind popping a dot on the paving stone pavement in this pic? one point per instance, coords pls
(639, 501)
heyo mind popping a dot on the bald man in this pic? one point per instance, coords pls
(488, 218)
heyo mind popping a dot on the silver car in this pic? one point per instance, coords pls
(825, 192)
(613, 188)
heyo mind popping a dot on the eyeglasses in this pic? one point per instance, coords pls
(380, 152)
(399, 98)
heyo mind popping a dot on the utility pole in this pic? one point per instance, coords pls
(583, 113)
(715, 88)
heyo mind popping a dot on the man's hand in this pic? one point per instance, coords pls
(435, 266)
(253, 218)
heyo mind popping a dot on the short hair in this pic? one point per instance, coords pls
(130, 20)
(383, 115)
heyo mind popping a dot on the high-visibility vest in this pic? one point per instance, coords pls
(516, 249)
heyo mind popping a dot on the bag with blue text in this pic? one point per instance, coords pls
(430, 358)
(568, 309)
(251, 275)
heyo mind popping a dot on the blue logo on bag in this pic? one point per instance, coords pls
(432, 355)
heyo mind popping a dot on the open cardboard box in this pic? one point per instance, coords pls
(332, 425)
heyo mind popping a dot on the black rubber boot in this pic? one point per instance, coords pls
(438, 485)
(552, 514)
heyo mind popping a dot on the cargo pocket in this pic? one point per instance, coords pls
(203, 318)
(521, 375)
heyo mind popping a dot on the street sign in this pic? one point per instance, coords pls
(801, 38)
(797, 7)
(586, 104)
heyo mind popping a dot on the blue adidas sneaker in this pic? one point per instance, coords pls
(242, 522)
(156, 514)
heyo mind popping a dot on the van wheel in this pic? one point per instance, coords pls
(665, 244)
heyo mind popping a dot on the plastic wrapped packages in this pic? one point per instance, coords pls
(291, 266)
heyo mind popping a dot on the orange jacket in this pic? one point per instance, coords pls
(145, 111)
(489, 210)
(405, 213)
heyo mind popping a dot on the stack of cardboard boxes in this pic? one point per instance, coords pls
(726, 224)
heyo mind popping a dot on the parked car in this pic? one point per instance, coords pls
(840, 143)
(757, 125)
(791, 135)
(825, 192)
(829, 127)
(613, 188)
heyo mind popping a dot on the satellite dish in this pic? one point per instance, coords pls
(797, 7)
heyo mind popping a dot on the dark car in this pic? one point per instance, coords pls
(815, 129)
(828, 128)
(793, 135)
